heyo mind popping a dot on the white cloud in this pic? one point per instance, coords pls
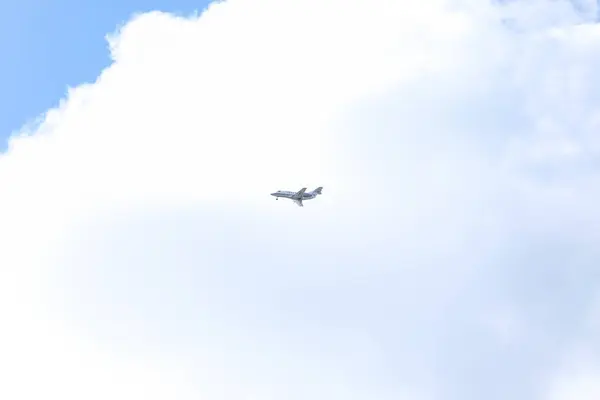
(142, 256)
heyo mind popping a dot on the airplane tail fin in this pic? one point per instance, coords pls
(318, 190)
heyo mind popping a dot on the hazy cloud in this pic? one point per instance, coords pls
(452, 255)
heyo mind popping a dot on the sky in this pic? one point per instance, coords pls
(50, 46)
(452, 255)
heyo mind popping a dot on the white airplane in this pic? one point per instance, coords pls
(298, 196)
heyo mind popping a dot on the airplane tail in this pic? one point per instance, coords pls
(318, 190)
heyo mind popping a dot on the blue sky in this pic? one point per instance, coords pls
(49, 46)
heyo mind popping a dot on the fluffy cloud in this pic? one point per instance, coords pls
(451, 256)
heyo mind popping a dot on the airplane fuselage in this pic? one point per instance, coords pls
(299, 196)
(290, 195)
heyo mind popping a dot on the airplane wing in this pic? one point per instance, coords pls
(298, 202)
(299, 194)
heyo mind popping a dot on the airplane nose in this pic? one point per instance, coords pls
(273, 194)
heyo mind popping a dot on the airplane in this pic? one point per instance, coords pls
(298, 196)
